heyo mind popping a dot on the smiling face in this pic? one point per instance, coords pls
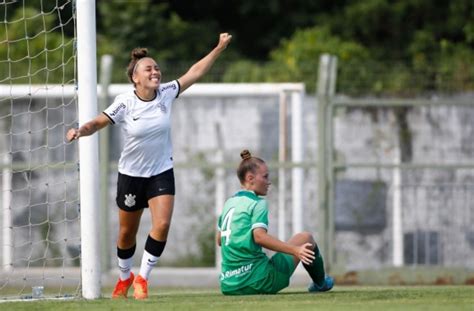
(147, 74)
(258, 181)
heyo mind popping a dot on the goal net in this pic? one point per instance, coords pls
(40, 232)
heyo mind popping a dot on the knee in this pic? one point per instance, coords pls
(307, 237)
(126, 237)
(127, 232)
(161, 226)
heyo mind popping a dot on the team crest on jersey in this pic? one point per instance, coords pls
(130, 200)
(162, 108)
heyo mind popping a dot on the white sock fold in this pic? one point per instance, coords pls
(125, 266)
(148, 262)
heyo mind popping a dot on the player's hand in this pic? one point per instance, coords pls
(72, 134)
(306, 253)
(224, 40)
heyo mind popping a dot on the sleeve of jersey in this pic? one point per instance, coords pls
(260, 215)
(116, 111)
(171, 89)
(179, 88)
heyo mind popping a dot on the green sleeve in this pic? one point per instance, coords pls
(260, 215)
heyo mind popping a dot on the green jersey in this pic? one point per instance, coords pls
(243, 261)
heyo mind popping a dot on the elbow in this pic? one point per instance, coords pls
(258, 236)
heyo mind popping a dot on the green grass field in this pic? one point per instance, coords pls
(341, 298)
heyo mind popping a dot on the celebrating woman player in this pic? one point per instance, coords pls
(242, 232)
(145, 169)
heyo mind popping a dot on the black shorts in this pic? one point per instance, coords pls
(133, 193)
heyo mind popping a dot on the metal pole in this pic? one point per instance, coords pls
(325, 89)
(282, 142)
(220, 184)
(322, 163)
(7, 223)
(397, 233)
(88, 149)
(297, 155)
(331, 221)
(106, 63)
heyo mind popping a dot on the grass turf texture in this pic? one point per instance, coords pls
(340, 298)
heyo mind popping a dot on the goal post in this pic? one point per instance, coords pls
(49, 209)
(88, 150)
(39, 194)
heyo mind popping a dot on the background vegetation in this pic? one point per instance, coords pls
(384, 47)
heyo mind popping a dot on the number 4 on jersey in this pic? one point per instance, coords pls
(226, 226)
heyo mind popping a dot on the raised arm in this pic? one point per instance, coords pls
(88, 128)
(202, 66)
(303, 252)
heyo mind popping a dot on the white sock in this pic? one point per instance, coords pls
(148, 262)
(125, 265)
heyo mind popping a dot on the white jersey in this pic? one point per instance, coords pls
(146, 126)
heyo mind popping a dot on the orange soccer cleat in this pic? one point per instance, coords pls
(121, 288)
(140, 285)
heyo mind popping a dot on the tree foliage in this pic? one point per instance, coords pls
(391, 47)
(297, 58)
(32, 50)
(124, 25)
(402, 48)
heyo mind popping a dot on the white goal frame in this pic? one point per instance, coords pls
(88, 149)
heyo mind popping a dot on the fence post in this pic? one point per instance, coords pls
(220, 194)
(106, 63)
(282, 157)
(7, 219)
(325, 90)
(297, 157)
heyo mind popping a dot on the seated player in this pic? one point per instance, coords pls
(242, 232)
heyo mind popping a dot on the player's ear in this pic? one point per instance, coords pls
(250, 177)
(134, 78)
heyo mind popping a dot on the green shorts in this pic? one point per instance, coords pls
(278, 276)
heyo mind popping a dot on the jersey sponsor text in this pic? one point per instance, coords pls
(237, 272)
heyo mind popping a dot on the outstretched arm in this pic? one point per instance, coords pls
(88, 128)
(303, 252)
(202, 66)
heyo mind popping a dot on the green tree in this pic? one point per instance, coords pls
(415, 44)
(172, 41)
(34, 50)
(258, 26)
(297, 59)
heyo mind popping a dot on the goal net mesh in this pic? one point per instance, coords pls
(40, 232)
